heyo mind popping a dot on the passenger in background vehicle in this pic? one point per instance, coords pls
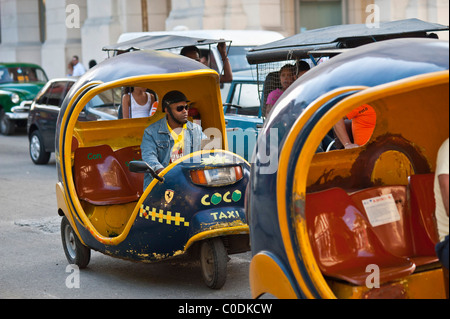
(287, 77)
(364, 119)
(137, 102)
(194, 53)
(302, 67)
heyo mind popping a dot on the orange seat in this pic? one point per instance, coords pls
(423, 221)
(398, 237)
(125, 156)
(99, 177)
(344, 242)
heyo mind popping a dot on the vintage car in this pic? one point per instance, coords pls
(19, 84)
(353, 223)
(195, 206)
(242, 108)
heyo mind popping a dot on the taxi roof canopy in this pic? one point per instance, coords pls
(160, 42)
(339, 37)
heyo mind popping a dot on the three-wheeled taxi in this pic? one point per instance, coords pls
(359, 222)
(196, 204)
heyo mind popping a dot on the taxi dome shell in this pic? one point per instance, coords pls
(133, 64)
(369, 65)
(140, 63)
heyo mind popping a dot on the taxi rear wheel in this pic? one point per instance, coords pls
(213, 260)
(76, 252)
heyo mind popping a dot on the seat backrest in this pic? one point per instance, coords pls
(99, 177)
(423, 221)
(271, 83)
(344, 242)
(125, 156)
(394, 231)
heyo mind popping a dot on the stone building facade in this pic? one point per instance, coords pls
(50, 32)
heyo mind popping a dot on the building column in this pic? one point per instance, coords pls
(101, 27)
(20, 31)
(64, 19)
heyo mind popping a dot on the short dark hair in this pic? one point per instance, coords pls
(173, 97)
(302, 66)
(192, 48)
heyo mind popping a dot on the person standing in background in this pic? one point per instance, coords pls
(77, 68)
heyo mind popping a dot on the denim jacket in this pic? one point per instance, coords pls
(157, 144)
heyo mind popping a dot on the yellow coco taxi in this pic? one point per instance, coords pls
(195, 205)
(353, 223)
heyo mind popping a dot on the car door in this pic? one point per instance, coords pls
(243, 117)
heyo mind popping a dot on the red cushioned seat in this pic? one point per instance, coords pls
(125, 156)
(99, 177)
(423, 221)
(344, 242)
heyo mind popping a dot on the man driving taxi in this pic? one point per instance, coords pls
(172, 137)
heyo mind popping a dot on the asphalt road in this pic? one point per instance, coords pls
(32, 260)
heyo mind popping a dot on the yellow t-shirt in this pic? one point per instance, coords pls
(177, 150)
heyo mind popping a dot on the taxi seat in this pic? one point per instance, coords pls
(398, 237)
(344, 243)
(125, 156)
(100, 178)
(423, 220)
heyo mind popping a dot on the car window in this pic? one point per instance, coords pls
(103, 106)
(247, 98)
(26, 74)
(4, 75)
(238, 58)
(42, 97)
(56, 93)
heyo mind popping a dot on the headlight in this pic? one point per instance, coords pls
(217, 176)
(15, 98)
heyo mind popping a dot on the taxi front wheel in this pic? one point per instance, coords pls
(76, 252)
(213, 260)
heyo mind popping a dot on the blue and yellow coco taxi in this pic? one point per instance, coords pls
(195, 205)
(353, 223)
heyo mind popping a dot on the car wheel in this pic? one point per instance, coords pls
(37, 149)
(213, 260)
(76, 252)
(7, 127)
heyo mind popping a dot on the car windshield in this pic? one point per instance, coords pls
(238, 59)
(21, 74)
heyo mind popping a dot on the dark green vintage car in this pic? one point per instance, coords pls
(19, 84)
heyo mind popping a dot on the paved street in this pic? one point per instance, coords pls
(32, 261)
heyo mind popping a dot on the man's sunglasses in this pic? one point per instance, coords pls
(180, 108)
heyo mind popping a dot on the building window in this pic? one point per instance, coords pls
(314, 14)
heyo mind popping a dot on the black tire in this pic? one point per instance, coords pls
(37, 149)
(213, 260)
(76, 252)
(7, 127)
